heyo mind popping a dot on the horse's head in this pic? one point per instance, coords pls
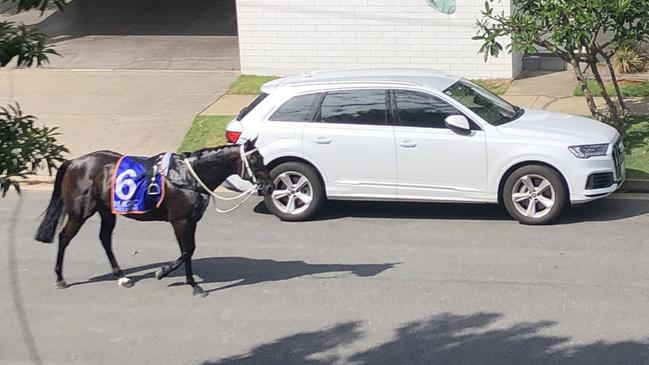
(254, 169)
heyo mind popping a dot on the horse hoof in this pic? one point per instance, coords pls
(60, 284)
(199, 292)
(159, 274)
(125, 282)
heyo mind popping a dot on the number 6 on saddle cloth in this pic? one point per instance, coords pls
(137, 186)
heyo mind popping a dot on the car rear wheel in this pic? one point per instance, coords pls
(535, 195)
(299, 193)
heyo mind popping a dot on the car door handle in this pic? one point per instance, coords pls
(323, 140)
(408, 143)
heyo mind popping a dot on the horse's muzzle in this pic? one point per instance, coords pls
(266, 190)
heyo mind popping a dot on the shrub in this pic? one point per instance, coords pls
(25, 147)
(629, 59)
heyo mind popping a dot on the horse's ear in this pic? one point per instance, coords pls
(250, 144)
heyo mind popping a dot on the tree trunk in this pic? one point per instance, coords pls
(620, 97)
(590, 100)
(616, 111)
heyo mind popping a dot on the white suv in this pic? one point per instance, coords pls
(422, 135)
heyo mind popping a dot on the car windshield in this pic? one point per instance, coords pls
(484, 103)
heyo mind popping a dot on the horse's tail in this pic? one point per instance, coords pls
(54, 212)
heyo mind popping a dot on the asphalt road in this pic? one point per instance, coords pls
(367, 284)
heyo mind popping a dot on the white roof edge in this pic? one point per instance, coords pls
(402, 76)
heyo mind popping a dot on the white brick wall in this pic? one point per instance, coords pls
(283, 37)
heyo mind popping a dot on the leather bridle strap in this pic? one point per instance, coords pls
(245, 165)
(215, 196)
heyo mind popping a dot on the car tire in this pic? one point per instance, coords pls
(299, 192)
(535, 195)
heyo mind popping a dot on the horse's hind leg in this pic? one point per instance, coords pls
(70, 230)
(106, 236)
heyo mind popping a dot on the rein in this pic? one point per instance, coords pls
(245, 166)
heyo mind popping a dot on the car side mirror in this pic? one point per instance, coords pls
(458, 124)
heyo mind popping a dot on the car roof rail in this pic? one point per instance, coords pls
(353, 82)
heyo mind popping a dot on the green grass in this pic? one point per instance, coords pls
(249, 84)
(496, 86)
(629, 89)
(637, 147)
(206, 131)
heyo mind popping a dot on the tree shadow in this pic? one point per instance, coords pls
(240, 271)
(639, 107)
(445, 339)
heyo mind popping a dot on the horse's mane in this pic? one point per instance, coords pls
(204, 152)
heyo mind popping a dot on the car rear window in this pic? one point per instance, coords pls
(251, 106)
(297, 109)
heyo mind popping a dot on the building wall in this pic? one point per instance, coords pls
(282, 37)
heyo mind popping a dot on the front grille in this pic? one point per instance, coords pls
(600, 180)
(618, 158)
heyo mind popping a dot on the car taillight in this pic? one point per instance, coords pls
(232, 137)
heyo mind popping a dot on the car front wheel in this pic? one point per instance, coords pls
(298, 194)
(535, 195)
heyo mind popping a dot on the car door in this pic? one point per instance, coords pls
(434, 162)
(352, 144)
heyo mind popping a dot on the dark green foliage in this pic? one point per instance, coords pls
(24, 5)
(26, 45)
(25, 147)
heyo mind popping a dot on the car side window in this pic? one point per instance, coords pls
(296, 109)
(418, 109)
(354, 107)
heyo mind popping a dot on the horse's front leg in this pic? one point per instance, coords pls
(185, 231)
(106, 237)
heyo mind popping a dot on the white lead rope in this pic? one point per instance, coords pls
(215, 196)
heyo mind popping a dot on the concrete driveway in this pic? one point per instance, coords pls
(366, 284)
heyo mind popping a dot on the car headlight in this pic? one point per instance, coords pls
(589, 150)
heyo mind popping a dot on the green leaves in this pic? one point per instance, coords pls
(26, 45)
(42, 5)
(25, 147)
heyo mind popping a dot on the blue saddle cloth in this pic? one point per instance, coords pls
(133, 190)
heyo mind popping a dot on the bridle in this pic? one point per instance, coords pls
(245, 164)
(245, 168)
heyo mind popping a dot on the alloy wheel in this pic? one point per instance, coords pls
(533, 196)
(293, 192)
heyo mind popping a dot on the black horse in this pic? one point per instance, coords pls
(82, 188)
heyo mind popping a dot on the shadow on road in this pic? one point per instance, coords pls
(600, 210)
(239, 271)
(445, 339)
(607, 210)
(345, 209)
